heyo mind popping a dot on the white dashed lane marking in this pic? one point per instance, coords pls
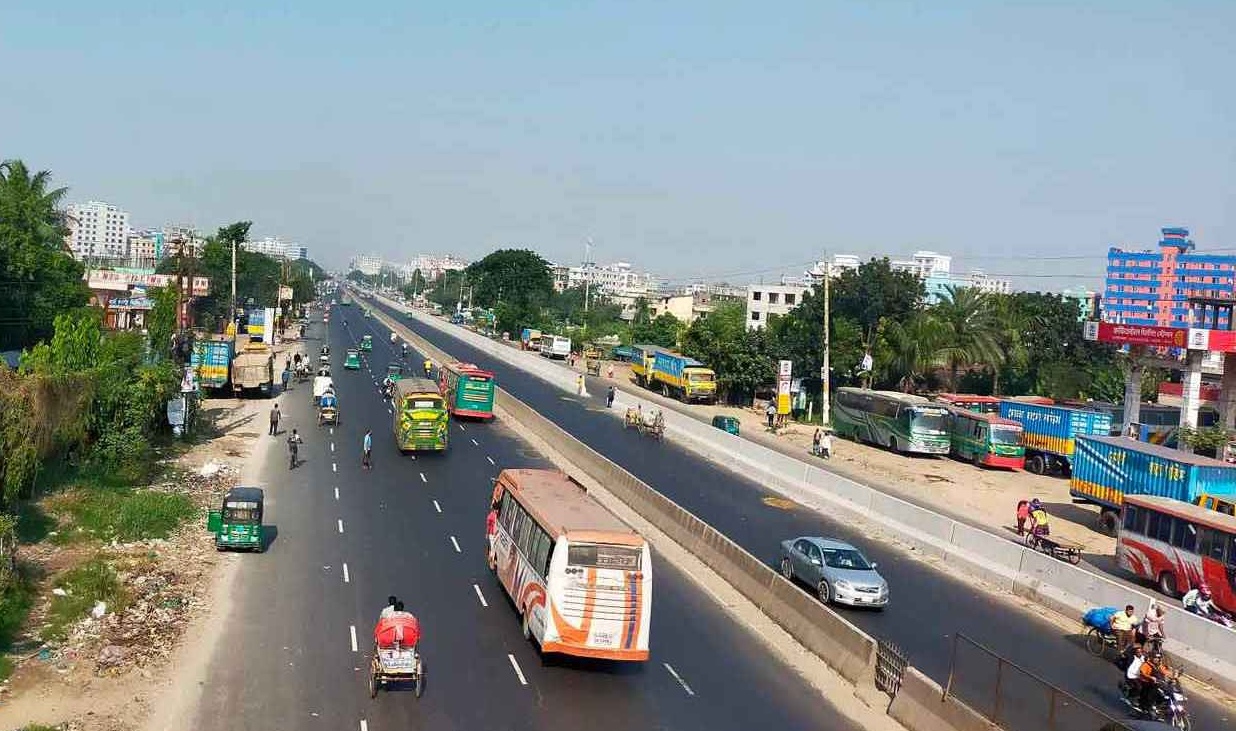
(480, 596)
(518, 673)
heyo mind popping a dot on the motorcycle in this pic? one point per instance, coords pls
(1166, 703)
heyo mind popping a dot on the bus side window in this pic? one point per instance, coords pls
(525, 536)
(1208, 540)
(1185, 536)
(517, 522)
(540, 551)
(1134, 519)
(506, 513)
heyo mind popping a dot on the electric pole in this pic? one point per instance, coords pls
(824, 368)
(587, 276)
(233, 318)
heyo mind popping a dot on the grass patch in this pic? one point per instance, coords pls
(33, 524)
(93, 581)
(16, 600)
(124, 515)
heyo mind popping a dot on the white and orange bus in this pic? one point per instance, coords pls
(581, 578)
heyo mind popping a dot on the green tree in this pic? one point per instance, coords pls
(663, 331)
(720, 340)
(161, 322)
(970, 332)
(38, 278)
(518, 279)
(873, 292)
(909, 349)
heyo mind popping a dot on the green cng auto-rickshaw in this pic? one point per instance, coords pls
(352, 360)
(726, 423)
(394, 371)
(367, 343)
(238, 524)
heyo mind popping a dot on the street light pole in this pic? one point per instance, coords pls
(233, 317)
(824, 368)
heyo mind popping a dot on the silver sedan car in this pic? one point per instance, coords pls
(837, 571)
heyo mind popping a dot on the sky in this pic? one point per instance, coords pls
(695, 139)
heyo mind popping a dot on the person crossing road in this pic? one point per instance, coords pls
(367, 450)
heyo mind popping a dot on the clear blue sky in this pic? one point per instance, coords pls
(690, 138)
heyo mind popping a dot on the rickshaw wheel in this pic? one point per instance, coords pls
(420, 680)
(1095, 642)
(373, 683)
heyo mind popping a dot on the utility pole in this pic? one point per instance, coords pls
(824, 368)
(587, 276)
(462, 279)
(233, 318)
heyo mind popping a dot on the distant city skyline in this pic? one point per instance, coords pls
(695, 140)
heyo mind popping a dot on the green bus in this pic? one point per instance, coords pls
(421, 420)
(987, 439)
(469, 391)
(900, 421)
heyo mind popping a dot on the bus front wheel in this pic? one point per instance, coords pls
(1167, 584)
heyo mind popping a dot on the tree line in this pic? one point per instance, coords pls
(970, 341)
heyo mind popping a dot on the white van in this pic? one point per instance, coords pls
(555, 346)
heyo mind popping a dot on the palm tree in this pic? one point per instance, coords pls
(971, 330)
(913, 349)
(30, 211)
(1011, 326)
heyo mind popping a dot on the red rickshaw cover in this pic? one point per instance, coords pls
(401, 626)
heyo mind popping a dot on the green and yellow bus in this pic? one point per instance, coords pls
(421, 420)
(469, 391)
(900, 421)
(986, 439)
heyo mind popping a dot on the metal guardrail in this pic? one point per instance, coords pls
(891, 662)
(1016, 699)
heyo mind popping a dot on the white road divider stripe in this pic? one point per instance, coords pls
(352, 631)
(491, 460)
(436, 506)
(678, 677)
(518, 673)
(480, 596)
(347, 579)
(340, 525)
(474, 443)
(336, 493)
(332, 446)
(423, 478)
(455, 543)
(334, 466)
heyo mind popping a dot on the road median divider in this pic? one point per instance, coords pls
(841, 645)
(1204, 648)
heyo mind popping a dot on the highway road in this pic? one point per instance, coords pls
(928, 606)
(295, 647)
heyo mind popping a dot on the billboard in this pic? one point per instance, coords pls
(1152, 335)
(121, 281)
(785, 372)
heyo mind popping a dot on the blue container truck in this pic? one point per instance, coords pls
(1106, 468)
(211, 360)
(1049, 433)
(684, 378)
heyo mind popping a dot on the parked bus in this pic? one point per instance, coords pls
(986, 439)
(1178, 546)
(580, 577)
(900, 421)
(469, 391)
(421, 420)
(969, 402)
(555, 346)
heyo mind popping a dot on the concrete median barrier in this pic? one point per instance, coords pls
(920, 704)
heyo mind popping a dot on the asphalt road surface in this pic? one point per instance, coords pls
(295, 649)
(928, 607)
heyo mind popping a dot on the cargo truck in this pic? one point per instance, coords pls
(642, 359)
(1049, 433)
(211, 360)
(253, 371)
(530, 338)
(1107, 468)
(683, 378)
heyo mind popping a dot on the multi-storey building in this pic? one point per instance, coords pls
(611, 279)
(272, 246)
(1153, 287)
(766, 300)
(366, 264)
(98, 230)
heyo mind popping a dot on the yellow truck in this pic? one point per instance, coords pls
(673, 374)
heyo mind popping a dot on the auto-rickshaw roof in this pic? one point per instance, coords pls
(244, 494)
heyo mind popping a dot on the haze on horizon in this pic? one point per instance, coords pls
(693, 139)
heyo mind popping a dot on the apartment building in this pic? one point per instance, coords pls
(766, 300)
(97, 230)
(1152, 287)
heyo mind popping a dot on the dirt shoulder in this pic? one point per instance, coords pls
(140, 667)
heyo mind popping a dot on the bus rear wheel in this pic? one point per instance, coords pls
(1035, 465)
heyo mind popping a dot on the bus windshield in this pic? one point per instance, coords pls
(1005, 435)
(602, 556)
(932, 422)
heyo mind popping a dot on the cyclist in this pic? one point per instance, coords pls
(428, 368)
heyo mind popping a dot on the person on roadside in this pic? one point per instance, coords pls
(771, 412)
(428, 367)
(609, 398)
(1039, 521)
(1153, 630)
(274, 420)
(294, 442)
(286, 377)
(367, 450)
(610, 372)
(1023, 515)
(826, 444)
(815, 441)
(1124, 625)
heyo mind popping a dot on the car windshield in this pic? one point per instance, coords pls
(845, 558)
(1005, 435)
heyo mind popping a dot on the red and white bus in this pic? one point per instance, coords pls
(581, 578)
(970, 402)
(1179, 546)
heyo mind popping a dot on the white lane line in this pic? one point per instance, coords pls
(518, 673)
(480, 596)
(491, 460)
(474, 443)
(347, 578)
(678, 677)
(389, 411)
(334, 466)
(336, 493)
(332, 446)
(332, 431)
(461, 428)
(436, 506)
(352, 631)
(423, 478)
(340, 521)
(364, 725)
(455, 543)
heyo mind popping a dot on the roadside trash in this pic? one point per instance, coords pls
(100, 608)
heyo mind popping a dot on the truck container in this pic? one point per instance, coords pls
(642, 358)
(253, 371)
(530, 338)
(211, 360)
(1050, 432)
(1106, 468)
(686, 379)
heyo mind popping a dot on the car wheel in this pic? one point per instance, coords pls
(787, 569)
(824, 592)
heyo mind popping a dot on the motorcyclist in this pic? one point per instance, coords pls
(393, 338)
(1139, 679)
(428, 367)
(1199, 601)
(388, 386)
(403, 351)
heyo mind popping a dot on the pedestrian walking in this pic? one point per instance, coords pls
(609, 398)
(294, 442)
(610, 372)
(579, 386)
(274, 419)
(367, 450)
(287, 377)
(771, 413)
